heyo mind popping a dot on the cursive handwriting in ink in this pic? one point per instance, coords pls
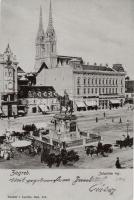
(102, 188)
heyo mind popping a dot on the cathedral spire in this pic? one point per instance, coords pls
(50, 22)
(40, 20)
(40, 29)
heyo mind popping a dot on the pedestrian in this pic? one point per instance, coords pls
(120, 120)
(117, 163)
(104, 114)
(128, 137)
(112, 119)
(55, 123)
(96, 119)
(58, 160)
(42, 155)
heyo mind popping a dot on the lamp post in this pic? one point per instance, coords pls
(127, 123)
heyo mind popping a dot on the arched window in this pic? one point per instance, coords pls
(106, 81)
(84, 81)
(78, 91)
(78, 81)
(106, 90)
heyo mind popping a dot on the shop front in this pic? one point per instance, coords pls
(9, 109)
(114, 103)
(80, 105)
(91, 104)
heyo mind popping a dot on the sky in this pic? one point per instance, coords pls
(100, 31)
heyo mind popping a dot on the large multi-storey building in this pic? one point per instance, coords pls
(87, 85)
(129, 91)
(8, 83)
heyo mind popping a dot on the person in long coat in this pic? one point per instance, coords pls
(117, 163)
(42, 155)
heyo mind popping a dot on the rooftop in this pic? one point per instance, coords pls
(61, 57)
(97, 67)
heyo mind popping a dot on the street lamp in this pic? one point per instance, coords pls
(127, 123)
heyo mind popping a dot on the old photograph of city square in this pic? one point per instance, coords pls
(66, 84)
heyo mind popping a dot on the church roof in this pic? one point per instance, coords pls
(43, 66)
(69, 58)
(20, 70)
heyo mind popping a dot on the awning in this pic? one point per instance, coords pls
(80, 104)
(41, 125)
(43, 108)
(21, 143)
(115, 101)
(91, 103)
(15, 129)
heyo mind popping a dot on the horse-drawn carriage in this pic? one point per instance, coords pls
(127, 142)
(100, 149)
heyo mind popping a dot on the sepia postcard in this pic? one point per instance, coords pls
(66, 99)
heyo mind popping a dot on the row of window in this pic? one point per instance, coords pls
(98, 81)
(99, 90)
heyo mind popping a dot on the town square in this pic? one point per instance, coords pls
(72, 109)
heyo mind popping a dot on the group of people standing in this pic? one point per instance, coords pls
(50, 157)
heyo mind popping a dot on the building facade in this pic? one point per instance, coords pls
(8, 83)
(87, 85)
(129, 91)
(38, 99)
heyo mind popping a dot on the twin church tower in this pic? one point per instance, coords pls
(45, 43)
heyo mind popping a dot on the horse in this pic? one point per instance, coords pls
(100, 149)
(92, 150)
